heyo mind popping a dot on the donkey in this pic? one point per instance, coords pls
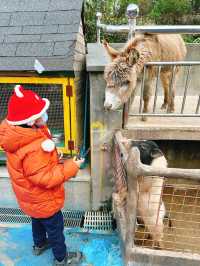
(122, 73)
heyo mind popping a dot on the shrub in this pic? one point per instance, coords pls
(170, 11)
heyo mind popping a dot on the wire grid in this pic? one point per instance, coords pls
(96, 220)
(90, 220)
(14, 215)
(53, 92)
(73, 218)
(181, 224)
(176, 226)
(119, 170)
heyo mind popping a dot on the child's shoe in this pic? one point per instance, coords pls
(73, 259)
(60, 263)
(39, 250)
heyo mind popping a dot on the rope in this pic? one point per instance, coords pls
(119, 170)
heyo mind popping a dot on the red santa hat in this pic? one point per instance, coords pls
(25, 106)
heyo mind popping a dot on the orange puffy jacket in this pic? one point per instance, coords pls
(37, 176)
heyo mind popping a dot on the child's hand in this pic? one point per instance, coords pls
(78, 161)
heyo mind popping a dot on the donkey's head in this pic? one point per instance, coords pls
(120, 76)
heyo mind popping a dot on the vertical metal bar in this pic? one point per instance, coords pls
(132, 12)
(198, 105)
(132, 26)
(171, 86)
(142, 90)
(156, 91)
(186, 88)
(99, 16)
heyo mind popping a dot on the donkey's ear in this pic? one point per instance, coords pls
(111, 51)
(132, 56)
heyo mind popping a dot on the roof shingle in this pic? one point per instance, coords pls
(38, 29)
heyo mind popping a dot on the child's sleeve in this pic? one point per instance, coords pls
(41, 171)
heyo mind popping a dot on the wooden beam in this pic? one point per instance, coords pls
(120, 138)
(134, 165)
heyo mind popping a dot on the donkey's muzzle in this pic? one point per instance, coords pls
(107, 106)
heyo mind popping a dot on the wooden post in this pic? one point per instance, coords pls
(131, 201)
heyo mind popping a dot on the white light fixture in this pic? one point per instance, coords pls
(38, 66)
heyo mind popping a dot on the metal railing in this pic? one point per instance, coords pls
(159, 65)
(131, 28)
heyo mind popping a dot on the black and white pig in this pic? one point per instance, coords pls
(151, 208)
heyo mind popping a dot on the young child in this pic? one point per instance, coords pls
(37, 177)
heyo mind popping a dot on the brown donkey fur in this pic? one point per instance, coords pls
(122, 73)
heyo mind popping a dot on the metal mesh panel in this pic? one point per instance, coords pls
(88, 220)
(168, 215)
(73, 218)
(12, 215)
(14, 219)
(98, 221)
(11, 211)
(150, 212)
(182, 201)
(54, 93)
(180, 228)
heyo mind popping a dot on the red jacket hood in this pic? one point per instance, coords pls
(13, 138)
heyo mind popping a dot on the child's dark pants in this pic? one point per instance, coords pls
(54, 227)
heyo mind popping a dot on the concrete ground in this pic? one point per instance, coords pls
(98, 249)
(182, 128)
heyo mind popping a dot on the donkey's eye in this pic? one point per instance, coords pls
(126, 82)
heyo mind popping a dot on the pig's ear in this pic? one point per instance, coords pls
(155, 153)
(113, 53)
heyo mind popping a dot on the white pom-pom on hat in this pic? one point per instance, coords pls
(48, 145)
(18, 91)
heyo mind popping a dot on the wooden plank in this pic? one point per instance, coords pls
(151, 257)
(131, 201)
(136, 168)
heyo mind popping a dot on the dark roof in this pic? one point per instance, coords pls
(38, 29)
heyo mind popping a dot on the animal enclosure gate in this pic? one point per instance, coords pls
(60, 92)
(186, 98)
(181, 233)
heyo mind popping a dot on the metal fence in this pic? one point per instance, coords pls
(179, 230)
(192, 108)
(131, 29)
